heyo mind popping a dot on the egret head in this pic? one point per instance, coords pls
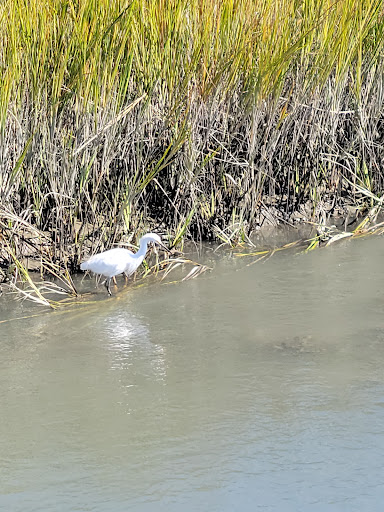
(153, 237)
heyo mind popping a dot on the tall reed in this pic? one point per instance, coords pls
(193, 117)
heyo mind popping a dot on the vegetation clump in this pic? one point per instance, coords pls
(199, 118)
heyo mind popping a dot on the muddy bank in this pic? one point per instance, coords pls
(36, 249)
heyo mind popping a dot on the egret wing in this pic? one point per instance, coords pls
(109, 263)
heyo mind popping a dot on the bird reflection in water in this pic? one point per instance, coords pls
(129, 344)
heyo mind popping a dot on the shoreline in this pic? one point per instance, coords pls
(34, 246)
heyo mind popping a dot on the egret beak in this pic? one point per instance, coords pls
(164, 248)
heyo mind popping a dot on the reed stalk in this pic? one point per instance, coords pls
(199, 118)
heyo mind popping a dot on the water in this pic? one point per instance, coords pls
(253, 388)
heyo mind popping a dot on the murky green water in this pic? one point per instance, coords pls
(253, 388)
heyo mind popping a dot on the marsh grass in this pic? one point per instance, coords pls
(323, 237)
(198, 118)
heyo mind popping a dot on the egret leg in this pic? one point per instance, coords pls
(126, 277)
(108, 285)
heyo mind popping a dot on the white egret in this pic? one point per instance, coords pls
(117, 261)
